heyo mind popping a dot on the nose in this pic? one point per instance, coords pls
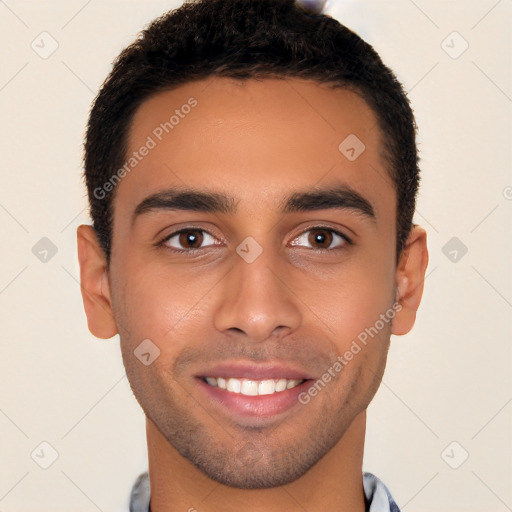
(255, 299)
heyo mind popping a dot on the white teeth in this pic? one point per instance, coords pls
(234, 385)
(266, 387)
(281, 385)
(292, 383)
(249, 387)
(253, 387)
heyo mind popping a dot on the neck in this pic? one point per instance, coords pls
(333, 483)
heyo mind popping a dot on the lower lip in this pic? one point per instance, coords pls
(259, 406)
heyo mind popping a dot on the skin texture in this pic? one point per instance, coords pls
(257, 141)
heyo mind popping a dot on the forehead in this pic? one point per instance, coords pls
(253, 137)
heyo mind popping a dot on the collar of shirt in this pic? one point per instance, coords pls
(377, 495)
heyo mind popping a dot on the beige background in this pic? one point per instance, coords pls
(448, 381)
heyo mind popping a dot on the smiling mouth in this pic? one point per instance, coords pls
(252, 387)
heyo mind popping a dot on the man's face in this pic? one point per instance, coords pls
(324, 274)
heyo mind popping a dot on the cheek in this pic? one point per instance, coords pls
(158, 303)
(352, 298)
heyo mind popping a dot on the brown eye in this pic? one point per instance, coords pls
(189, 239)
(320, 237)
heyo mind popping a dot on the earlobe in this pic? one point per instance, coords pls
(410, 277)
(94, 284)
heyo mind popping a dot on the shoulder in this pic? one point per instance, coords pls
(377, 494)
(140, 493)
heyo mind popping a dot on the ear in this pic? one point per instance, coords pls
(94, 284)
(410, 276)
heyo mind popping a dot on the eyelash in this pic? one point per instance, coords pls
(196, 250)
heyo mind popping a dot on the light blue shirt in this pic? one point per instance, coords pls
(377, 494)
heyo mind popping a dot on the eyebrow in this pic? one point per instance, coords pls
(190, 199)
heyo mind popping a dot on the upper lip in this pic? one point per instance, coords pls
(250, 370)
